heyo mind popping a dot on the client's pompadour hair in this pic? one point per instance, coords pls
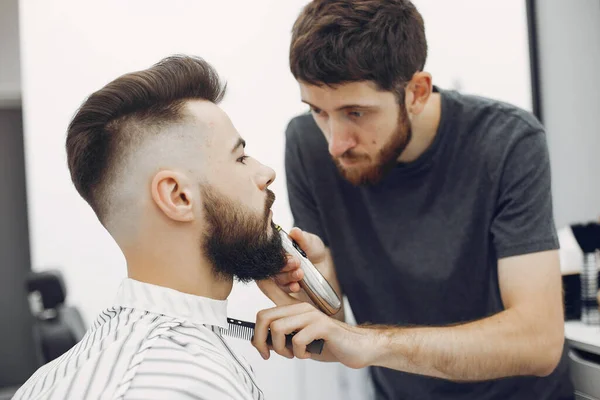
(103, 127)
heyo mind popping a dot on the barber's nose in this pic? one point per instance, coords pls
(340, 140)
(265, 177)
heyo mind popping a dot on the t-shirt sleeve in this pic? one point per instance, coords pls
(523, 221)
(302, 202)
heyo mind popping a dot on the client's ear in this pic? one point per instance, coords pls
(172, 193)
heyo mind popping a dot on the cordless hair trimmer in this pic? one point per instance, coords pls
(314, 284)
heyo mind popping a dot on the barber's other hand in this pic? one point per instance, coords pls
(316, 252)
(353, 346)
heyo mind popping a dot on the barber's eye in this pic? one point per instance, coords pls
(242, 159)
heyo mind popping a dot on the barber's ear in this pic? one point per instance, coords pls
(172, 193)
(417, 93)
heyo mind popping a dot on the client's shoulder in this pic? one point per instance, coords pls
(189, 358)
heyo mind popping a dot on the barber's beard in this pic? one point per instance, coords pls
(237, 241)
(385, 160)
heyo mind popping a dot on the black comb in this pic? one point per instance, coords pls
(245, 330)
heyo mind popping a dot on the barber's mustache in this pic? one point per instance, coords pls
(351, 155)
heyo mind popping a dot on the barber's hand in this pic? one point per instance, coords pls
(351, 345)
(316, 252)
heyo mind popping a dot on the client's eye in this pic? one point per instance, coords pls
(242, 159)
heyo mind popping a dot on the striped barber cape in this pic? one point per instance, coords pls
(154, 343)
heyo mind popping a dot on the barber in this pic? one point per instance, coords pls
(430, 210)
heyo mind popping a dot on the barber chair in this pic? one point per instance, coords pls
(57, 327)
(7, 393)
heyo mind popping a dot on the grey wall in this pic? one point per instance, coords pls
(10, 75)
(17, 356)
(569, 51)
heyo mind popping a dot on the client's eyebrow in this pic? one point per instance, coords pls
(240, 143)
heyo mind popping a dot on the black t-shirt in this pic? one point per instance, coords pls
(422, 246)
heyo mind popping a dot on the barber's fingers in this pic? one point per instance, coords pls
(289, 285)
(304, 337)
(294, 287)
(299, 317)
(291, 264)
(312, 245)
(284, 279)
(278, 339)
(274, 319)
(276, 294)
(290, 275)
(261, 331)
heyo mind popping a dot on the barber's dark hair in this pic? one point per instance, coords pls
(100, 133)
(340, 41)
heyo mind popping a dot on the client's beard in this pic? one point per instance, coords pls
(237, 242)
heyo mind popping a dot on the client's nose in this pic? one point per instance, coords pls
(266, 176)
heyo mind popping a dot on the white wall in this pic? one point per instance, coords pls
(569, 42)
(10, 74)
(71, 48)
(479, 47)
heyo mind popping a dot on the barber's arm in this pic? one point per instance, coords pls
(524, 339)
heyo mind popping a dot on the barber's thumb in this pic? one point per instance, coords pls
(299, 236)
(309, 242)
(277, 295)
